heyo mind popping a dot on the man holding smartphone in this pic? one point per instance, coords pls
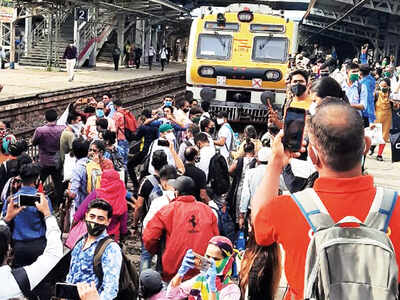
(32, 274)
(29, 227)
(336, 145)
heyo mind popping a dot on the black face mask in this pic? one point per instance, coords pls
(185, 110)
(298, 89)
(211, 130)
(95, 229)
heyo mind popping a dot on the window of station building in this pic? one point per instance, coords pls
(227, 27)
(270, 49)
(214, 46)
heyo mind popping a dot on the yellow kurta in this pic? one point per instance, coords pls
(383, 111)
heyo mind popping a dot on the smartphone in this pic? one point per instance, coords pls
(28, 200)
(163, 143)
(201, 263)
(295, 121)
(67, 291)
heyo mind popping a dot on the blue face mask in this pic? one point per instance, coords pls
(168, 103)
(99, 113)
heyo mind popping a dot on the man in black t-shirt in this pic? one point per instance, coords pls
(198, 175)
(149, 182)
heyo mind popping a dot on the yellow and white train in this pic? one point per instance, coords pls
(239, 54)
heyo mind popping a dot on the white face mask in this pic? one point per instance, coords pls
(313, 108)
(220, 121)
(170, 136)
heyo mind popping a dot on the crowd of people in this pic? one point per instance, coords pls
(212, 211)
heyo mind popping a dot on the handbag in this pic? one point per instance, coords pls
(76, 233)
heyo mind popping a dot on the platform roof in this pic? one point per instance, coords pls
(368, 20)
(167, 9)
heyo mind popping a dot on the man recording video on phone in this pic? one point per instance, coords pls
(167, 143)
(19, 282)
(28, 227)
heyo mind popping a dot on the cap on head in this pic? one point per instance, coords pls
(183, 184)
(150, 283)
(165, 127)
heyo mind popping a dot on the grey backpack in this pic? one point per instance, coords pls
(349, 262)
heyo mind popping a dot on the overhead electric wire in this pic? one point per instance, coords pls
(349, 12)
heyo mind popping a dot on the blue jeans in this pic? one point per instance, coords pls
(124, 144)
(145, 259)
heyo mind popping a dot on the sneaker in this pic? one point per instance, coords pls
(379, 158)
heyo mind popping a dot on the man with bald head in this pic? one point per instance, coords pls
(336, 146)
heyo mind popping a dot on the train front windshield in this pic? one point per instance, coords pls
(214, 46)
(269, 49)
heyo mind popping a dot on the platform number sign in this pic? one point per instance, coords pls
(81, 14)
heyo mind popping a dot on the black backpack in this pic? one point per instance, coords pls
(128, 278)
(218, 175)
(116, 159)
(226, 226)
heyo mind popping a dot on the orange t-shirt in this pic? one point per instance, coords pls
(280, 220)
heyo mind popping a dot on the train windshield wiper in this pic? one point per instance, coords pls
(220, 39)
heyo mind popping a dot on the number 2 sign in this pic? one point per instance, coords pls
(81, 14)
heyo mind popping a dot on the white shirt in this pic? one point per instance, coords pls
(163, 53)
(39, 269)
(210, 140)
(225, 132)
(156, 205)
(206, 153)
(156, 147)
(151, 51)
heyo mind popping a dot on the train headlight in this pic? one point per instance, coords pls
(207, 71)
(245, 16)
(272, 75)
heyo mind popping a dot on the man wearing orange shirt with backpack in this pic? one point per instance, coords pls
(336, 146)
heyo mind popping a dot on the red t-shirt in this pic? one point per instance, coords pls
(280, 220)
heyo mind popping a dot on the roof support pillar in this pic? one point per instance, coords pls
(120, 35)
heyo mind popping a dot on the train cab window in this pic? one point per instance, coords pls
(214, 46)
(227, 27)
(271, 49)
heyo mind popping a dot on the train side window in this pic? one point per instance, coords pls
(270, 49)
(214, 46)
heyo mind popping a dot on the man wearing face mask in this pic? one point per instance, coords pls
(336, 146)
(389, 72)
(70, 133)
(90, 127)
(192, 156)
(182, 113)
(207, 126)
(299, 80)
(355, 92)
(70, 55)
(97, 218)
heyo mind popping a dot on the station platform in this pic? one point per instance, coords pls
(25, 80)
